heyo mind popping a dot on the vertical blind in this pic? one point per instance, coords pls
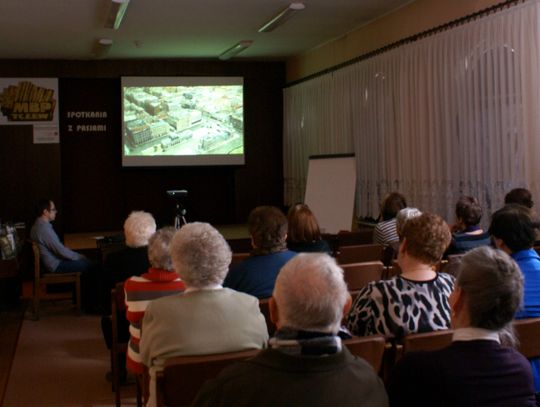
(456, 113)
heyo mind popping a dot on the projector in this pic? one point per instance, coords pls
(177, 193)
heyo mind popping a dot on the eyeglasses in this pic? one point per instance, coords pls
(53, 210)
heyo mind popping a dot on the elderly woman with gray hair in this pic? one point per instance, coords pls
(159, 281)
(477, 369)
(206, 318)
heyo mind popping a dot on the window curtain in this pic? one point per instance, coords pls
(456, 113)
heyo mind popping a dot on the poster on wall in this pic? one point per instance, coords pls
(31, 101)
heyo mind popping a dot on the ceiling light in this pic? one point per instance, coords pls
(235, 50)
(102, 47)
(116, 13)
(282, 16)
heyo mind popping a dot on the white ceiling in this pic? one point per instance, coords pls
(67, 29)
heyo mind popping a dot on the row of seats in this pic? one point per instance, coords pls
(183, 376)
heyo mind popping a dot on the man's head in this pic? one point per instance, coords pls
(46, 209)
(200, 255)
(310, 294)
(513, 228)
(268, 229)
(138, 228)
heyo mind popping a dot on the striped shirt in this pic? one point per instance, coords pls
(140, 291)
(385, 232)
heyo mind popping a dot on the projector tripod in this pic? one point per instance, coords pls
(180, 217)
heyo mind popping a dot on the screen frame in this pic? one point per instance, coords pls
(181, 160)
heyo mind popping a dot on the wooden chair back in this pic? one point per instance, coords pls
(358, 275)
(119, 348)
(392, 271)
(238, 258)
(360, 253)
(182, 376)
(265, 310)
(359, 237)
(370, 348)
(528, 333)
(42, 280)
(427, 341)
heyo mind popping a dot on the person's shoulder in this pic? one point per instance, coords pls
(239, 296)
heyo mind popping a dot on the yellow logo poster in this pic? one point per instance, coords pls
(29, 101)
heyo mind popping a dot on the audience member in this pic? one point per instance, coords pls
(120, 265)
(304, 234)
(306, 364)
(57, 258)
(206, 318)
(520, 196)
(159, 281)
(385, 231)
(257, 274)
(513, 229)
(132, 260)
(476, 370)
(467, 233)
(416, 300)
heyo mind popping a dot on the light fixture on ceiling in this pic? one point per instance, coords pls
(282, 16)
(116, 13)
(235, 49)
(102, 47)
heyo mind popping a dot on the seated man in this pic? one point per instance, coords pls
(159, 281)
(206, 318)
(57, 258)
(257, 274)
(306, 365)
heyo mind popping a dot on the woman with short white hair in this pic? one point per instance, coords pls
(206, 318)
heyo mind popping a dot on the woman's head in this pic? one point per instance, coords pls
(268, 229)
(468, 211)
(200, 255)
(303, 226)
(392, 204)
(520, 196)
(491, 286)
(159, 248)
(426, 238)
(138, 228)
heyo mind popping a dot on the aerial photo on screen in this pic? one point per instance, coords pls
(183, 120)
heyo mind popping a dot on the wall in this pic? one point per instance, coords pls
(84, 174)
(416, 17)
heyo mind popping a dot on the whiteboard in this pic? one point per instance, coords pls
(330, 190)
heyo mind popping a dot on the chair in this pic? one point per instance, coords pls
(358, 275)
(238, 258)
(47, 279)
(426, 341)
(265, 310)
(360, 253)
(182, 376)
(370, 348)
(359, 237)
(118, 348)
(528, 332)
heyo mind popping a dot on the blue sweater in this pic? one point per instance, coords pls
(257, 274)
(529, 263)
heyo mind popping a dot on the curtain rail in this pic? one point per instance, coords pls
(407, 40)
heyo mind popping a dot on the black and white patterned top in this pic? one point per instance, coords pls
(397, 307)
